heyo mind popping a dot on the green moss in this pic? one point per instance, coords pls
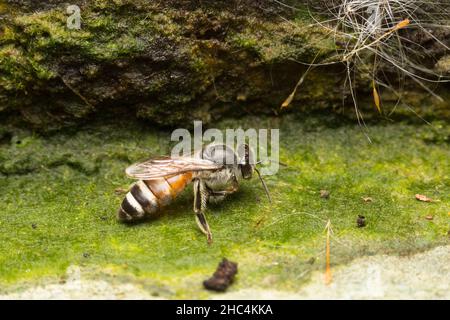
(157, 58)
(58, 203)
(278, 42)
(173, 62)
(19, 70)
(102, 37)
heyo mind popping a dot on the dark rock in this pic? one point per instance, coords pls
(223, 276)
(361, 221)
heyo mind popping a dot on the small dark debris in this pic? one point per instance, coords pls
(34, 225)
(223, 276)
(311, 260)
(324, 194)
(361, 221)
(103, 218)
(258, 223)
(86, 255)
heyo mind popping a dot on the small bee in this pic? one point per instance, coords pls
(215, 171)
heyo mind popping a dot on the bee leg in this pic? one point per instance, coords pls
(218, 195)
(203, 225)
(200, 200)
(234, 183)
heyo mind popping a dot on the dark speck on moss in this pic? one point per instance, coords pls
(361, 221)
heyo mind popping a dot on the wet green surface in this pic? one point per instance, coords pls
(59, 203)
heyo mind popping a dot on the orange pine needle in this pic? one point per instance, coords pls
(402, 24)
(289, 99)
(376, 97)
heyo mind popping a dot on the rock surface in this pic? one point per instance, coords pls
(424, 275)
(170, 62)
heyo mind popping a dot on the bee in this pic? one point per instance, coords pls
(215, 172)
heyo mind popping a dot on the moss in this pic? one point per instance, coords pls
(103, 37)
(59, 205)
(19, 70)
(139, 58)
(279, 42)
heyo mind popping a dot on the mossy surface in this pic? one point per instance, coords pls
(170, 62)
(59, 204)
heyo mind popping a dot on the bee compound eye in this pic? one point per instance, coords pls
(246, 155)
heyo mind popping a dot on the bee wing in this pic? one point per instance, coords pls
(163, 167)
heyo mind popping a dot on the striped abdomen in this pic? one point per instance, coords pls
(148, 196)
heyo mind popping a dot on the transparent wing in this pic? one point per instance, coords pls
(163, 167)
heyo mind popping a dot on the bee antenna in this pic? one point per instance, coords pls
(264, 185)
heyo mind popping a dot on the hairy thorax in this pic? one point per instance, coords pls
(219, 180)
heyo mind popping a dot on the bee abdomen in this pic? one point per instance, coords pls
(162, 190)
(138, 203)
(147, 197)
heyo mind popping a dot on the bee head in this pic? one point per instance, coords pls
(244, 159)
